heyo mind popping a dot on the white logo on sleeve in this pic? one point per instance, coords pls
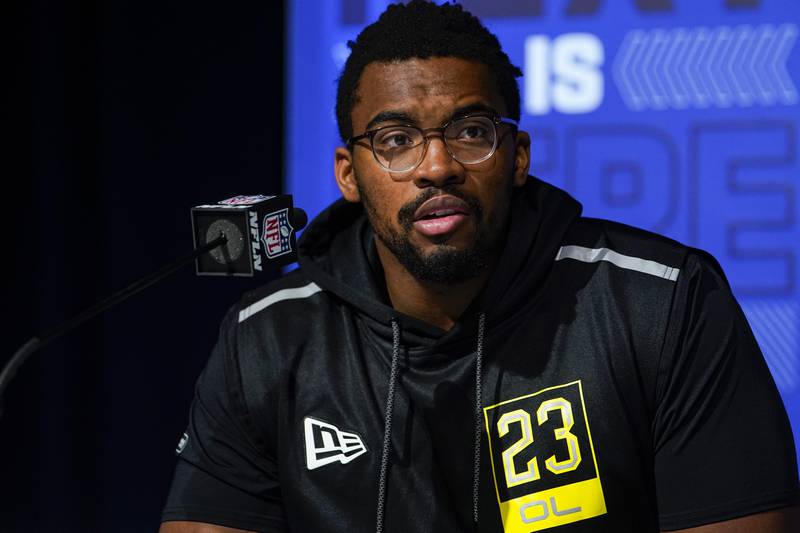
(326, 444)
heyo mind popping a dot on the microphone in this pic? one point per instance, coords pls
(259, 234)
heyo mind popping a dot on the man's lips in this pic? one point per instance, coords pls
(441, 206)
(441, 215)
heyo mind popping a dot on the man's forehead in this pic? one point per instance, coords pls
(424, 88)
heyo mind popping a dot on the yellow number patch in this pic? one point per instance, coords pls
(568, 488)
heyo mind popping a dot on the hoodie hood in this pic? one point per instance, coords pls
(337, 252)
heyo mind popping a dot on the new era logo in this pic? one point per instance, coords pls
(325, 444)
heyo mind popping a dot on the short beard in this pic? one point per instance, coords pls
(445, 265)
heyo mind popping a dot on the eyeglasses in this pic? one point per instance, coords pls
(468, 139)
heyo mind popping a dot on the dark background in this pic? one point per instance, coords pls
(121, 116)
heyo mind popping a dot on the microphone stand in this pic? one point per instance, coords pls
(38, 342)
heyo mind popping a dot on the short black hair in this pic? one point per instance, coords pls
(423, 29)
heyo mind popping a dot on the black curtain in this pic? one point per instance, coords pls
(121, 116)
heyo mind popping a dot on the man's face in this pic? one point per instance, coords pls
(444, 221)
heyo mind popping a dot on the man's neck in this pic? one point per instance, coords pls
(435, 303)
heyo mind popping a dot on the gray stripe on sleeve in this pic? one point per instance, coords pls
(593, 255)
(285, 294)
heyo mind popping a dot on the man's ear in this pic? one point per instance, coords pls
(522, 158)
(345, 175)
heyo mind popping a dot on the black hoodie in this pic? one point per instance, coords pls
(604, 380)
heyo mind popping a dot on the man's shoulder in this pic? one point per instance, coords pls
(290, 293)
(596, 233)
(262, 327)
(594, 239)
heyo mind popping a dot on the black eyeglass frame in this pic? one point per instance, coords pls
(496, 121)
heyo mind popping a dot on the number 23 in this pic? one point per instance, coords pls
(521, 417)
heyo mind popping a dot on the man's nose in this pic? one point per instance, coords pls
(437, 167)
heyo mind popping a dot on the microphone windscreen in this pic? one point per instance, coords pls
(299, 218)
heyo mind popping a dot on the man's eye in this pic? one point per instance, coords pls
(472, 132)
(395, 139)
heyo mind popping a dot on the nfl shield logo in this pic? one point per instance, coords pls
(277, 233)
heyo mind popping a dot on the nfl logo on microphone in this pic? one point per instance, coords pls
(277, 233)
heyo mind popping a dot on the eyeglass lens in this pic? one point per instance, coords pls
(469, 140)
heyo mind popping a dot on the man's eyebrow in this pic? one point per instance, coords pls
(474, 108)
(390, 116)
(405, 118)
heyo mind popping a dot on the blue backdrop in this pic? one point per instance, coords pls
(678, 116)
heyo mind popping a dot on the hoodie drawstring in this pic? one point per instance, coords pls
(476, 453)
(387, 432)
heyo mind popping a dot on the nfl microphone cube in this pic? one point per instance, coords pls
(259, 232)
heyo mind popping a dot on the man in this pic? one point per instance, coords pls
(461, 351)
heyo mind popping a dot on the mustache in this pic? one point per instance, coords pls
(406, 214)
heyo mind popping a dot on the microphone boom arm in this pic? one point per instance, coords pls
(38, 342)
